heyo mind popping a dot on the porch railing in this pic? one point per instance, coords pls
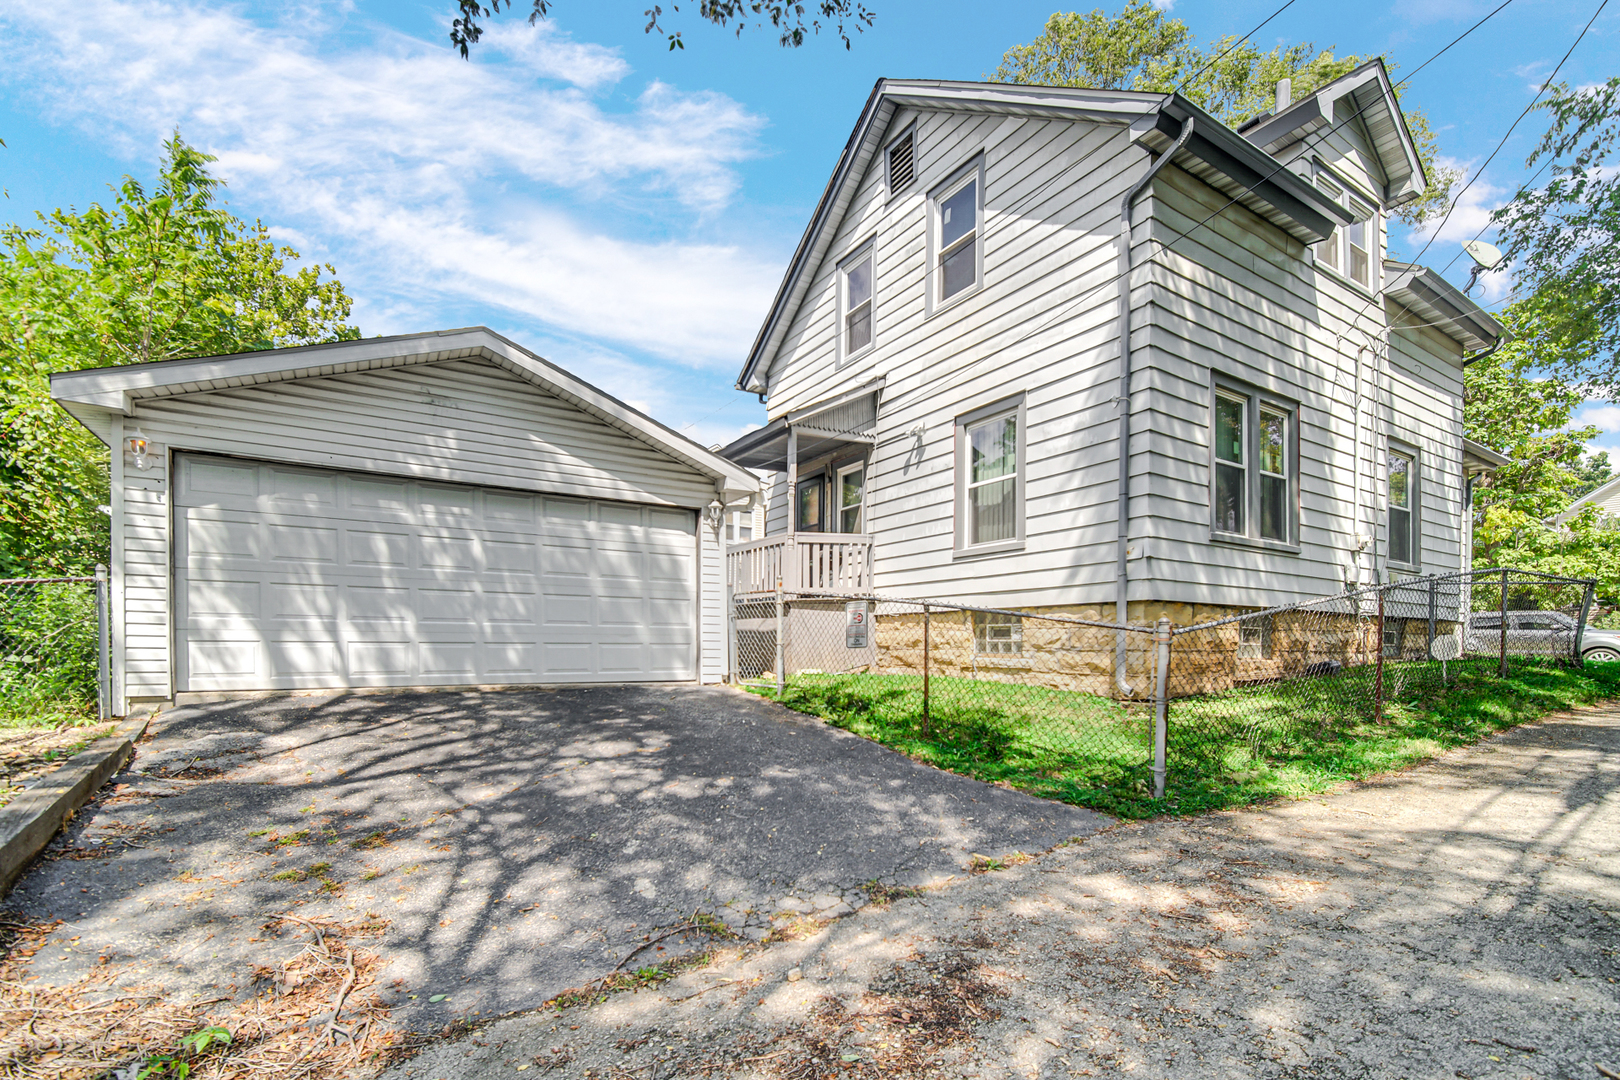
(802, 561)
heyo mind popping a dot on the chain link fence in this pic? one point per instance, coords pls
(1087, 710)
(53, 651)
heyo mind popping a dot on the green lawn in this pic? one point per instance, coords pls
(1229, 749)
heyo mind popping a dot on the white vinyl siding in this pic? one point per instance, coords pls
(1051, 201)
(460, 421)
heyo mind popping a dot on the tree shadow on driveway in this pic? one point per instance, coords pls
(518, 842)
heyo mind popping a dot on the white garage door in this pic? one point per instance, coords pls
(291, 578)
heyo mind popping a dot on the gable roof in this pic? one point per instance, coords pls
(1599, 495)
(1373, 101)
(1215, 153)
(98, 391)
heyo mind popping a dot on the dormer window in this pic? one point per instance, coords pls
(1350, 249)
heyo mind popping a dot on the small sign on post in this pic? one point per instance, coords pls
(857, 624)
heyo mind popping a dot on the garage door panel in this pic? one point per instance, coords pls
(215, 538)
(302, 578)
(304, 544)
(375, 547)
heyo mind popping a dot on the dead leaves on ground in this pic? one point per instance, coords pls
(314, 1013)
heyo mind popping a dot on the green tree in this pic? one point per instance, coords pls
(1565, 237)
(1593, 472)
(164, 272)
(1520, 517)
(1144, 49)
(786, 18)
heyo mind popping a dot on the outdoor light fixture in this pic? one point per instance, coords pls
(138, 447)
(716, 513)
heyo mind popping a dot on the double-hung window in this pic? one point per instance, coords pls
(1350, 249)
(990, 477)
(1253, 493)
(851, 498)
(855, 302)
(1403, 506)
(956, 211)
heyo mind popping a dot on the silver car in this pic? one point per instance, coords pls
(1538, 633)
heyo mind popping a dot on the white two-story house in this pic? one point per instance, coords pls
(1096, 352)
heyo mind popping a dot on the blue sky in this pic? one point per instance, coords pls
(624, 210)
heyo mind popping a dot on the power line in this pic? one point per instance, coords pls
(1232, 46)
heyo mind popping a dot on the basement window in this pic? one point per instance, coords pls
(997, 634)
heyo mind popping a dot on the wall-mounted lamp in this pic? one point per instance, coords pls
(715, 514)
(138, 448)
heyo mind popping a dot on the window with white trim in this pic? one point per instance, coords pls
(1253, 462)
(851, 498)
(997, 634)
(992, 479)
(1403, 506)
(956, 232)
(1351, 247)
(855, 301)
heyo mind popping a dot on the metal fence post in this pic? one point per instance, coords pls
(1428, 648)
(1161, 706)
(927, 722)
(104, 708)
(1378, 671)
(1501, 670)
(781, 642)
(1580, 627)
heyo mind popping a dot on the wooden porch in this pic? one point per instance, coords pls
(803, 562)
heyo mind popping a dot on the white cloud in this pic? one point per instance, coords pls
(428, 175)
(1606, 417)
(549, 54)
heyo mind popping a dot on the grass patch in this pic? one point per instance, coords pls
(1231, 749)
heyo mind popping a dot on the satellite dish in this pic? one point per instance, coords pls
(1485, 256)
(1445, 648)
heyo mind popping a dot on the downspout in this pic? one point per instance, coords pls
(1122, 599)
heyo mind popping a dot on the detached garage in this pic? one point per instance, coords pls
(432, 510)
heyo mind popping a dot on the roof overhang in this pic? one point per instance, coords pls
(93, 394)
(1216, 153)
(1373, 102)
(845, 422)
(1479, 458)
(1436, 301)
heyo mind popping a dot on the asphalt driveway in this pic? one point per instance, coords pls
(516, 843)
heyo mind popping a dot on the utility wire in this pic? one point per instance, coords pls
(1232, 46)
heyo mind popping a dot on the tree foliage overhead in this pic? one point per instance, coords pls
(786, 18)
(165, 272)
(1566, 238)
(1144, 49)
(1520, 511)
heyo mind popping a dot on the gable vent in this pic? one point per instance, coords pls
(902, 168)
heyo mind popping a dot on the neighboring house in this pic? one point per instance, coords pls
(1606, 497)
(945, 379)
(429, 510)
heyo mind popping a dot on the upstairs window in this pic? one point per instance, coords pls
(902, 158)
(956, 214)
(1350, 249)
(855, 300)
(1253, 494)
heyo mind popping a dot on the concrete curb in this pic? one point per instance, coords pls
(29, 821)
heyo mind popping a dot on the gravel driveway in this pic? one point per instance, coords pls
(1461, 919)
(515, 843)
